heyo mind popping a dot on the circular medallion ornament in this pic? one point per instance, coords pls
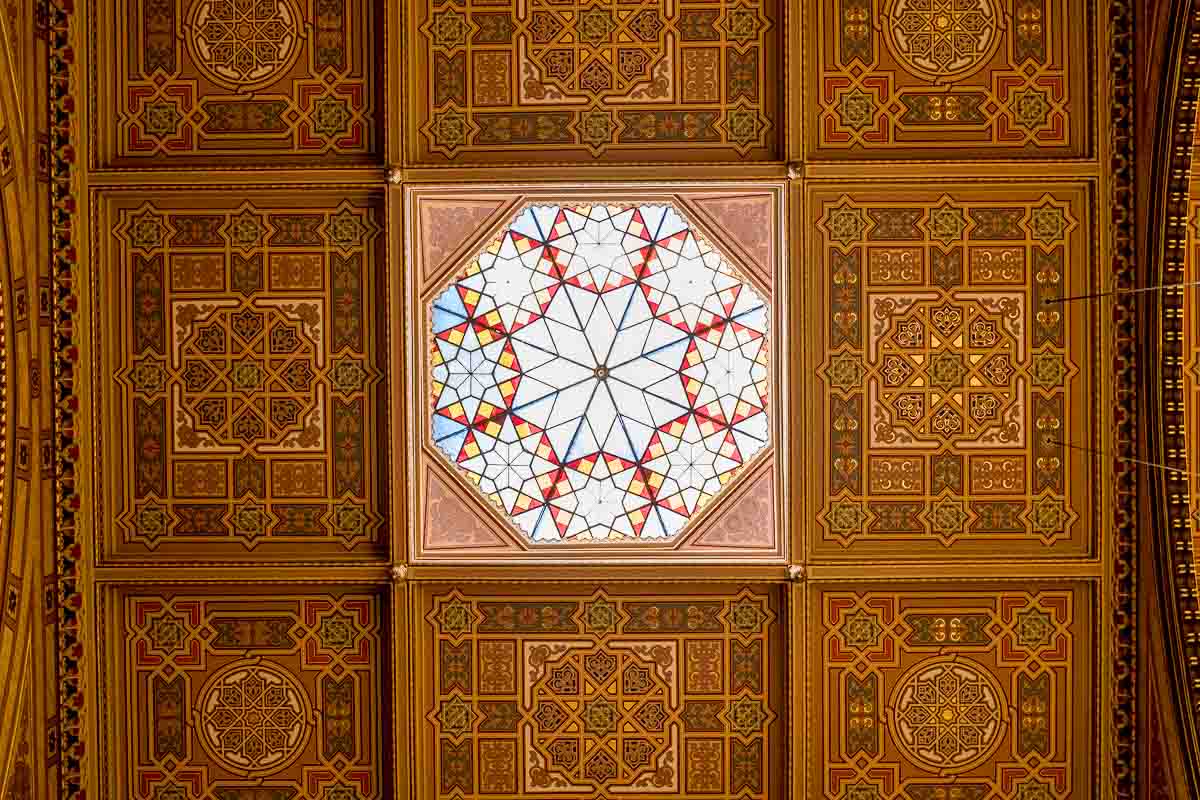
(253, 717)
(948, 714)
(244, 44)
(942, 39)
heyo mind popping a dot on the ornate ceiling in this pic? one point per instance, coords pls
(493, 399)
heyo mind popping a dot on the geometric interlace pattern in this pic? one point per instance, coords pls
(600, 372)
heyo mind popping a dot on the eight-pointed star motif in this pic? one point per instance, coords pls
(600, 372)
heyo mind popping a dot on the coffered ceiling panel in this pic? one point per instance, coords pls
(241, 339)
(931, 691)
(953, 399)
(600, 373)
(590, 691)
(570, 460)
(496, 81)
(214, 82)
(245, 694)
(948, 78)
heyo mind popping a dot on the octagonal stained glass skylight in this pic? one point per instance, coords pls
(599, 372)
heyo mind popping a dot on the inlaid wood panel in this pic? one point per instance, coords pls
(950, 690)
(952, 410)
(936, 79)
(579, 691)
(249, 694)
(241, 340)
(236, 82)
(613, 81)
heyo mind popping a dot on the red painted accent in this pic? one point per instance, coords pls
(142, 608)
(144, 658)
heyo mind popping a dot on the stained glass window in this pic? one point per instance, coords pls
(600, 372)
